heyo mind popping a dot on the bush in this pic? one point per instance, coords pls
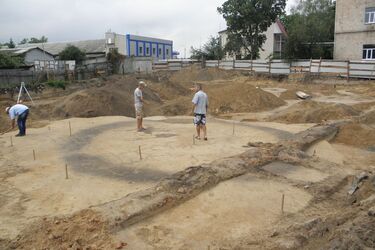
(72, 53)
(59, 84)
(8, 61)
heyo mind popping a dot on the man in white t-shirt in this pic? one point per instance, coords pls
(200, 105)
(21, 112)
(138, 104)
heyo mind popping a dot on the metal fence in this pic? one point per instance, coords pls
(337, 68)
(173, 64)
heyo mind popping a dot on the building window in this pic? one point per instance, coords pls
(159, 51)
(368, 52)
(167, 52)
(147, 51)
(153, 51)
(140, 50)
(370, 15)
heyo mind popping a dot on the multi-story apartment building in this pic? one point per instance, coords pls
(355, 30)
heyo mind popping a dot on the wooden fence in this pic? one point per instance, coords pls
(335, 68)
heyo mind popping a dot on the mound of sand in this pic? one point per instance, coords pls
(368, 117)
(114, 98)
(195, 73)
(231, 98)
(240, 97)
(314, 112)
(83, 230)
(355, 134)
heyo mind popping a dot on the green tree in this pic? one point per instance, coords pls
(10, 44)
(43, 39)
(71, 52)
(115, 59)
(10, 62)
(24, 41)
(212, 50)
(247, 20)
(310, 28)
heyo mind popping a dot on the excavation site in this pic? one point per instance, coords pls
(277, 171)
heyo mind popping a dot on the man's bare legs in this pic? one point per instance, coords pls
(204, 131)
(198, 128)
(139, 123)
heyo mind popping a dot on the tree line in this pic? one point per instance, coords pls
(309, 26)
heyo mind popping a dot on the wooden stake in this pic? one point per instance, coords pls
(233, 128)
(66, 171)
(11, 141)
(348, 71)
(282, 203)
(34, 154)
(193, 139)
(140, 152)
(70, 129)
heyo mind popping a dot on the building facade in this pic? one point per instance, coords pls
(30, 55)
(140, 46)
(272, 47)
(355, 30)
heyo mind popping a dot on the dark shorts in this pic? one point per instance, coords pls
(199, 119)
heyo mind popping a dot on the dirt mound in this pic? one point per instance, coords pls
(84, 230)
(314, 112)
(114, 98)
(234, 97)
(195, 73)
(355, 134)
(240, 97)
(368, 118)
(364, 106)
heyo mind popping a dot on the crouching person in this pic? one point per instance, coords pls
(21, 112)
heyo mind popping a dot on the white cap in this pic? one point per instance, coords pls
(142, 83)
(7, 109)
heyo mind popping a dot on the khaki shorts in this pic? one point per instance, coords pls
(139, 112)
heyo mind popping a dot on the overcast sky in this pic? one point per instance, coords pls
(186, 22)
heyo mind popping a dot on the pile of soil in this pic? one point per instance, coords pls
(364, 106)
(113, 98)
(240, 97)
(368, 117)
(223, 99)
(195, 73)
(84, 230)
(314, 112)
(355, 134)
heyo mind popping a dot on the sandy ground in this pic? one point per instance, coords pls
(103, 160)
(238, 208)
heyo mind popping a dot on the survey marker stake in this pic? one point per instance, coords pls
(193, 139)
(282, 203)
(11, 141)
(140, 152)
(66, 171)
(233, 128)
(34, 154)
(70, 129)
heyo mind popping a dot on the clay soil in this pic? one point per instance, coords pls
(42, 209)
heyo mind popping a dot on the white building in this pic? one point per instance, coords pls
(139, 46)
(272, 47)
